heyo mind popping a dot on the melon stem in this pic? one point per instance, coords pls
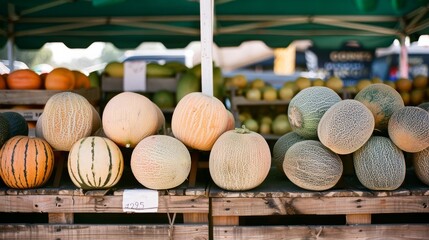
(295, 117)
(242, 130)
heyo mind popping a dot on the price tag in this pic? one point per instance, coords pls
(140, 200)
(135, 76)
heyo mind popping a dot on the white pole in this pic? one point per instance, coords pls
(10, 54)
(403, 59)
(206, 18)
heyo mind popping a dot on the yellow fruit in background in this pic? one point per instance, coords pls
(335, 84)
(404, 85)
(269, 94)
(417, 96)
(257, 83)
(239, 81)
(376, 80)
(253, 94)
(114, 69)
(302, 83)
(281, 125)
(318, 82)
(420, 81)
(266, 119)
(265, 128)
(243, 116)
(292, 85)
(363, 83)
(286, 93)
(390, 83)
(406, 97)
(251, 124)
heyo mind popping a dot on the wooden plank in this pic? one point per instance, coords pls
(61, 218)
(358, 218)
(96, 204)
(195, 218)
(110, 84)
(390, 231)
(102, 232)
(225, 220)
(322, 205)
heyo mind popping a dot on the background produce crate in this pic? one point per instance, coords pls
(280, 210)
(66, 212)
(111, 84)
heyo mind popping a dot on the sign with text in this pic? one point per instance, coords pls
(140, 200)
(135, 76)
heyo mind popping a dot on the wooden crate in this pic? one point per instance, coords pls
(182, 212)
(110, 84)
(280, 210)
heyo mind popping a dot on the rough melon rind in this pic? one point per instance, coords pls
(409, 129)
(282, 145)
(312, 166)
(346, 126)
(379, 164)
(421, 165)
(307, 107)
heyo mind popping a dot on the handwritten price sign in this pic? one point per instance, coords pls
(140, 200)
(135, 76)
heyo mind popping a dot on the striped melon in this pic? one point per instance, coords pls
(239, 160)
(67, 117)
(95, 163)
(346, 126)
(421, 165)
(409, 129)
(160, 162)
(312, 166)
(282, 145)
(382, 100)
(17, 124)
(379, 164)
(26, 162)
(307, 107)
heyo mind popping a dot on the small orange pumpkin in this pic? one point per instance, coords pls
(2, 82)
(60, 79)
(24, 79)
(82, 81)
(26, 162)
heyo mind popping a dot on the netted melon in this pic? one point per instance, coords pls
(379, 164)
(409, 129)
(307, 107)
(421, 165)
(346, 126)
(282, 145)
(382, 100)
(312, 166)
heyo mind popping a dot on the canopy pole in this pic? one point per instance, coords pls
(10, 53)
(403, 58)
(206, 18)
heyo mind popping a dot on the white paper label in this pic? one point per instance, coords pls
(135, 76)
(140, 200)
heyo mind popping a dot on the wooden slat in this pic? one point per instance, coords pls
(358, 218)
(96, 204)
(391, 231)
(102, 232)
(110, 84)
(225, 220)
(195, 218)
(323, 205)
(61, 218)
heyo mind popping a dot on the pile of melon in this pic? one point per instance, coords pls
(375, 129)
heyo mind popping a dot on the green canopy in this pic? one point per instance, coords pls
(176, 23)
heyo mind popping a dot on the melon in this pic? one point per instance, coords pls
(95, 163)
(67, 117)
(186, 84)
(346, 126)
(421, 165)
(239, 160)
(382, 100)
(4, 130)
(409, 129)
(282, 145)
(164, 99)
(26, 162)
(128, 118)
(160, 162)
(17, 124)
(307, 107)
(379, 164)
(335, 83)
(424, 106)
(312, 166)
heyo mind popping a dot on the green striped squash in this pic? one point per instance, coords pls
(95, 163)
(4, 130)
(17, 124)
(26, 162)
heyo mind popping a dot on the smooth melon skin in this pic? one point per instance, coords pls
(282, 145)
(160, 162)
(409, 129)
(239, 160)
(346, 126)
(379, 164)
(382, 100)
(312, 166)
(421, 165)
(307, 108)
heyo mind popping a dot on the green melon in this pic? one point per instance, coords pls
(421, 165)
(409, 129)
(187, 83)
(282, 145)
(346, 126)
(382, 100)
(379, 164)
(424, 105)
(4, 130)
(164, 99)
(312, 166)
(17, 124)
(307, 108)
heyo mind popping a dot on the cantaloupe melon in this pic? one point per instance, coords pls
(312, 166)
(424, 106)
(382, 100)
(379, 164)
(307, 107)
(421, 165)
(409, 129)
(346, 126)
(282, 145)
